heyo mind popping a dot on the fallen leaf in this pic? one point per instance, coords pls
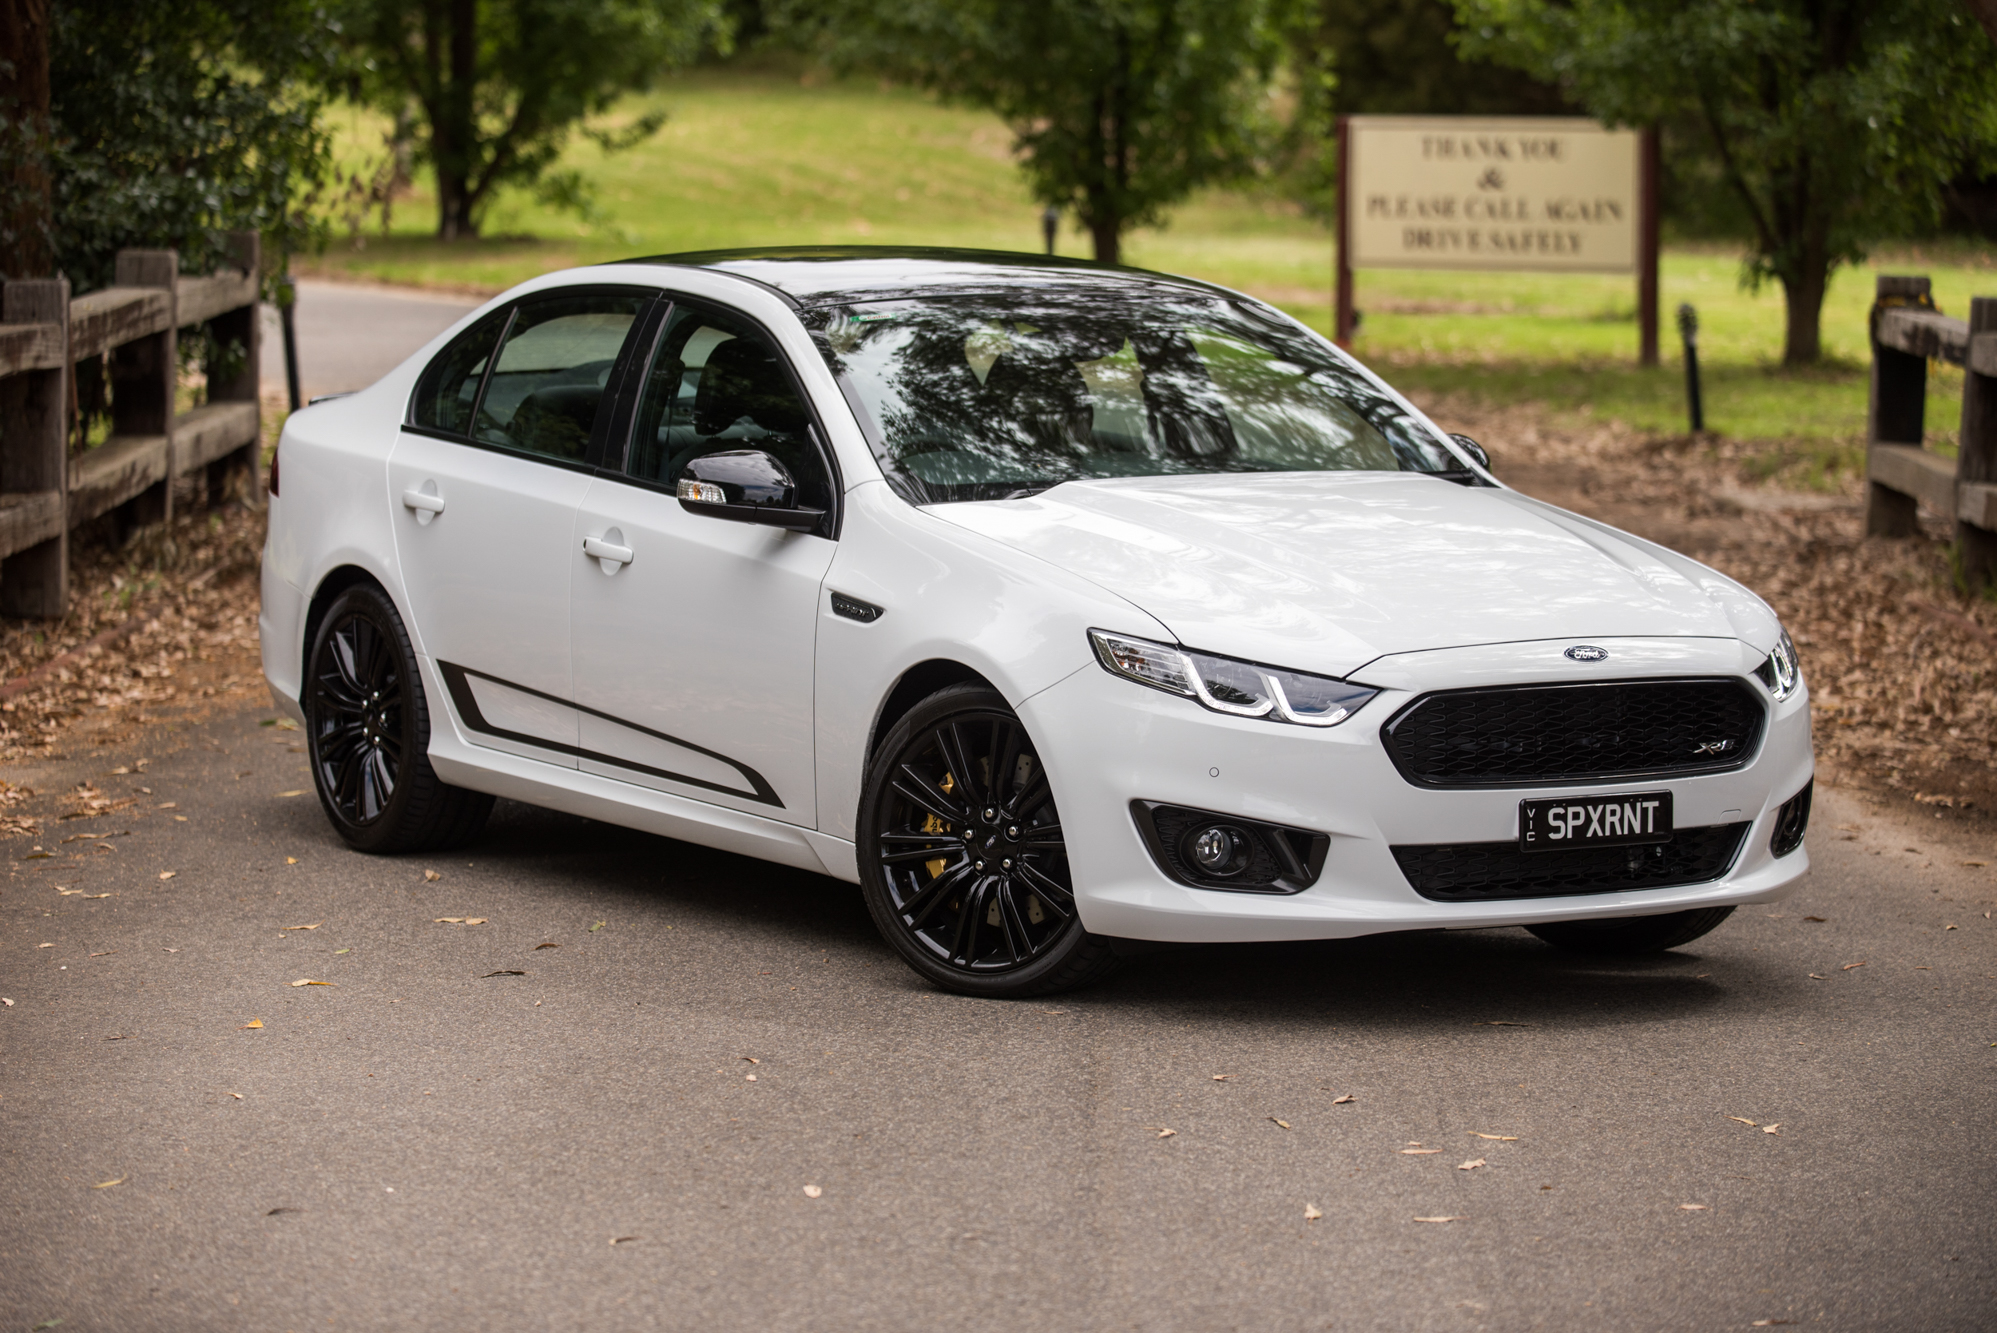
(1470, 1166)
(169, 950)
(253, 1023)
(1499, 1023)
(1340, 1101)
(812, 1191)
(1691, 1207)
(1770, 1129)
(96, 895)
(66, 892)
(550, 944)
(1311, 1212)
(598, 926)
(1442, 1219)
(291, 860)
(749, 1078)
(237, 1095)
(1222, 1078)
(106, 954)
(1496, 1138)
(8, 1003)
(275, 1211)
(505, 972)
(39, 856)
(127, 1036)
(1815, 918)
(1163, 1133)
(169, 805)
(299, 792)
(1770, 1323)
(168, 874)
(751, 1059)
(431, 877)
(456, 920)
(1419, 1152)
(1951, 927)
(45, 946)
(622, 1240)
(107, 1184)
(338, 952)
(1818, 976)
(1849, 966)
(1976, 863)
(1284, 1123)
(1743, 1119)
(304, 981)
(314, 926)
(476, 920)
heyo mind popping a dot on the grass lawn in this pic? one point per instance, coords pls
(763, 159)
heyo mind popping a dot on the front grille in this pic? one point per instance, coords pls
(1468, 872)
(1534, 735)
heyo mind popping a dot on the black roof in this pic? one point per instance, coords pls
(829, 274)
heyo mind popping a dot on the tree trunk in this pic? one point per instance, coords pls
(25, 250)
(1803, 288)
(1105, 229)
(454, 127)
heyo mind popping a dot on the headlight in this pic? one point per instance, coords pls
(1240, 689)
(1782, 673)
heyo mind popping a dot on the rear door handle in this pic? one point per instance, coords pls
(599, 549)
(428, 502)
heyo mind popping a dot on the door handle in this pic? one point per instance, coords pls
(428, 502)
(599, 549)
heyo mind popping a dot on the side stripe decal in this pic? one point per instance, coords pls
(456, 680)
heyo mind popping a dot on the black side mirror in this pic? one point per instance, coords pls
(746, 485)
(1478, 453)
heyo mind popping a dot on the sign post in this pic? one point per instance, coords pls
(1546, 194)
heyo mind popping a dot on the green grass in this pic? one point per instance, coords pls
(766, 159)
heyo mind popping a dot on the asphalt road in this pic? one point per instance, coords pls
(424, 1145)
(349, 335)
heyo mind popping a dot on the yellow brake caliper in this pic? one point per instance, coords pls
(931, 824)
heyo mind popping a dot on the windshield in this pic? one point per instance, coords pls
(992, 396)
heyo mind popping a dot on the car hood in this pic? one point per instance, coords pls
(1327, 571)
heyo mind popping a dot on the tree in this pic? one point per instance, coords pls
(1118, 108)
(1820, 126)
(502, 84)
(1399, 57)
(172, 124)
(26, 249)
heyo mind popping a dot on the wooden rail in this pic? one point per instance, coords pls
(44, 491)
(1908, 332)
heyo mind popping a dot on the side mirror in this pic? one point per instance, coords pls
(746, 485)
(1478, 453)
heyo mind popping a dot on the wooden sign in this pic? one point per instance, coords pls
(1544, 194)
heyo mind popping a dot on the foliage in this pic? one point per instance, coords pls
(502, 84)
(1118, 108)
(1816, 127)
(174, 124)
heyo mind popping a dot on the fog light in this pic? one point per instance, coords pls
(1217, 850)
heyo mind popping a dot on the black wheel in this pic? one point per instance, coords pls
(367, 729)
(961, 854)
(1632, 934)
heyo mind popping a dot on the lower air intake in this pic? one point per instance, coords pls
(1790, 822)
(1469, 872)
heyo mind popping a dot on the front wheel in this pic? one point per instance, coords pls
(962, 859)
(1632, 934)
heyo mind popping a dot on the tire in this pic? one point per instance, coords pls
(367, 730)
(976, 895)
(1632, 934)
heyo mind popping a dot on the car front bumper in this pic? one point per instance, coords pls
(1108, 742)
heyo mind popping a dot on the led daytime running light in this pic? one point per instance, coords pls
(1260, 691)
(1785, 673)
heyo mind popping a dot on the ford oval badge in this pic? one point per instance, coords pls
(1587, 652)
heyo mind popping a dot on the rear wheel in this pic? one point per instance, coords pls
(367, 727)
(1632, 934)
(962, 858)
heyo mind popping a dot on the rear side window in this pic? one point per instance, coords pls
(548, 382)
(448, 391)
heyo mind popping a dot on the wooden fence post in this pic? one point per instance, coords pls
(144, 376)
(34, 454)
(1898, 404)
(242, 327)
(1976, 460)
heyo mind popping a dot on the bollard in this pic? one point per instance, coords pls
(1688, 329)
(1050, 223)
(287, 297)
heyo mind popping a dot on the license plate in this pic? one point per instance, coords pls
(1628, 820)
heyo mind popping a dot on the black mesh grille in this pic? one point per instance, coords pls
(1465, 872)
(1536, 734)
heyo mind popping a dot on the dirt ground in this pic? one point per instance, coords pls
(1902, 669)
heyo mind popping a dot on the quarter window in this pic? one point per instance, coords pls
(717, 384)
(448, 391)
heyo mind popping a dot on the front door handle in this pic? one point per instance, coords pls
(608, 551)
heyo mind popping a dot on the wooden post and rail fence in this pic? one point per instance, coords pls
(1907, 332)
(45, 490)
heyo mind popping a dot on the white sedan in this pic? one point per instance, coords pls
(1058, 606)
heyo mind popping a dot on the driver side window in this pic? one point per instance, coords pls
(715, 384)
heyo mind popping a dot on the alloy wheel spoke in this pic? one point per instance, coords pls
(965, 945)
(930, 896)
(1004, 759)
(950, 742)
(1037, 794)
(1043, 838)
(1055, 896)
(1018, 940)
(924, 853)
(918, 790)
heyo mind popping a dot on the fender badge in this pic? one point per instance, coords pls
(1587, 652)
